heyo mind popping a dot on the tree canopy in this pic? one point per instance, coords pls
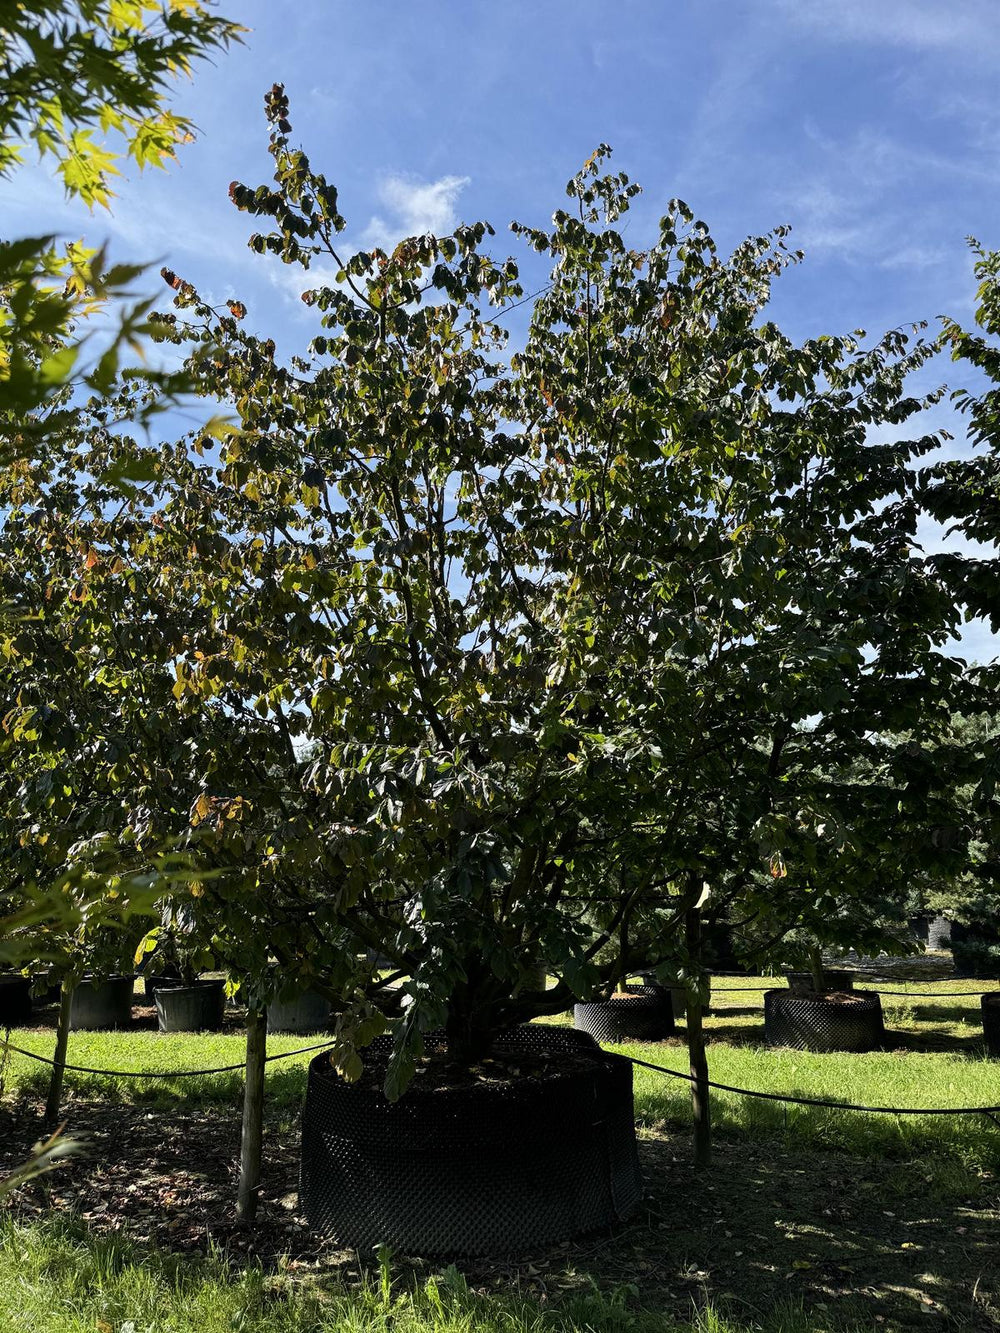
(452, 658)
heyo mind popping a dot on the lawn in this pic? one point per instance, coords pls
(809, 1219)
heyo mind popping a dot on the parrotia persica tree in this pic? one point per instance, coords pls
(481, 657)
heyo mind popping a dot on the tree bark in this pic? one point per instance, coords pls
(251, 1140)
(816, 967)
(697, 1059)
(54, 1099)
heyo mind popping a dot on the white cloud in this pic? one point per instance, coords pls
(414, 207)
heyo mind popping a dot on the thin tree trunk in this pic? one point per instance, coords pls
(251, 1140)
(54, 1100)
(697, 1059)
(816, 967)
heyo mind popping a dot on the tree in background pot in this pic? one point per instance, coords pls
(171, 958)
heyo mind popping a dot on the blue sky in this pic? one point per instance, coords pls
(871, 126)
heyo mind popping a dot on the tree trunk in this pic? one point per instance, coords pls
(253, 1116)
(54, 1099)
(697, 1060)
(816, 967)
(468, 1038)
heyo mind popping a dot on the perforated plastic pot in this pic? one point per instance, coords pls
(102, 1004)
(990, 1005)
(823, 1022)
(644, 1014)
(199, 1006)
(15, 1001)
(478, 1168)
(802, 983)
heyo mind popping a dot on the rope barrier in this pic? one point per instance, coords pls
(787, 1098)
(818, 1101)
(931, 995)
(140, 1073)
(718, 992)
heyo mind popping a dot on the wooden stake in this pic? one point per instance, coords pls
(251, 1140)
(697, 1059)
(54, 1100)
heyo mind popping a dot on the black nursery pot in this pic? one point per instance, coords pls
(646, 1013)
(197, 1007)
(990, 1005)
(104, 1004)
(300, 1011)
(479, 1166)
(15, 1000)
(823, 1021)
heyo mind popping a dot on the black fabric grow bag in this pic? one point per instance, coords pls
(823, 1022)
(476, 1169)
(645, 1014)
(298, 1011)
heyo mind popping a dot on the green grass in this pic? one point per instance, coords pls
(158, 1051)
(801, 1201)
(57, 1278)
(877, 1079)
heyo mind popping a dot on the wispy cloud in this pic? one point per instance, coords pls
(411, 208)
(414, 207)
(968, 26)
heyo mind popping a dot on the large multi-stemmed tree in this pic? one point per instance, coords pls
(456, 659)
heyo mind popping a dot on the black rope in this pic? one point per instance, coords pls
(930, 995)
(719, 991)
(178, 1073)
(818, 1101)
(989, 1111)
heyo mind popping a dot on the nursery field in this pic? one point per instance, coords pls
(809, 1218)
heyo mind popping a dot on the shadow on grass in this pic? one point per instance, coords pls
(908, 1039)
(735, 1034)
(941, 1013)
(64, 1271)
(762, 1235)
(960, 1148)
